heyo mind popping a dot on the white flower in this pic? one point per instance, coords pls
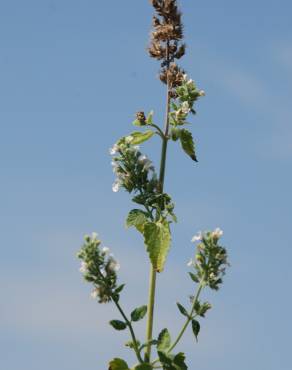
(185, 108)
(94, 293)
(94, 236)
(116, 185)
(114, 149)
(115, 166)
(185, 77)
(83, 267)
(190, 263)
(105, 250)
(197, 238)
(202, 93)
(217, 233)
(190, 82)
(114, 265)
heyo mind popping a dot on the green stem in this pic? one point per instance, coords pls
(128, 322)
(188, 320)
(152, 280)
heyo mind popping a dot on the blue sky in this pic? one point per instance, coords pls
(72, 75)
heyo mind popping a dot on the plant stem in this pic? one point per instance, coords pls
(188, 320)
(128, 322)
(152, 279)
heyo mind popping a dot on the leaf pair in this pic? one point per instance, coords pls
(136, 315)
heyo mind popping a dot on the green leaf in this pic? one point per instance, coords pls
(187, 143)
(204, 308)
(143, 367)
(118, 364)
(140, 137)
(164, 340)
(136, 218)
(120, 288)
(157, 239)
(196, 328)
(137, 123)
(182, 310)
(179, 361)
(139, 313)
(131, 344)
(149, 119)
(165, 360)
(194, 277)
(175, 133)
(118, 325)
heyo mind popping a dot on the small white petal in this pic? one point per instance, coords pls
(94, 293)
(217, 233)
(105, 250)
(190, 263)
(198, 237)
(114, 149)
(202, 93)
(83, 267)
(116, 186)
(94, 236)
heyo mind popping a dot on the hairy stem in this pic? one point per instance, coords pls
(152, 280)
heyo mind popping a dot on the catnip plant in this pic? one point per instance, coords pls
(153, 217)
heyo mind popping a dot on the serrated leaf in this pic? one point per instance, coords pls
(118, 325)
(182, 310)
(164, 340)
(140, 137)
(157, 239)
(118, 364)
(139, 313)
(196, 328)
(187, 143)
(136, 218)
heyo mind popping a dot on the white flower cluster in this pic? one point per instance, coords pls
(142, 159)
(217, 233)
(190, 82)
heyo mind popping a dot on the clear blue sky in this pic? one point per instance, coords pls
(72, 74)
